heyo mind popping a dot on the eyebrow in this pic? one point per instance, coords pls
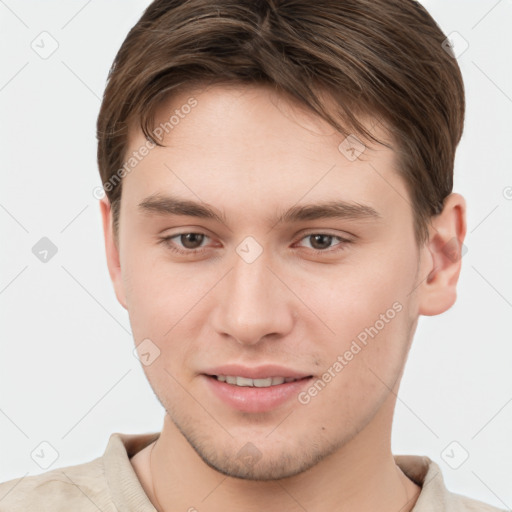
(170, 205)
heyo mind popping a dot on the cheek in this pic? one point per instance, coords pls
(167, 303)
(367, 305)
(150, 293)
(355, 293)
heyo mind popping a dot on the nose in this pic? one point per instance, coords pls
(253, 304)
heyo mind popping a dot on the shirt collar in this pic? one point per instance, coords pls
(128, 494)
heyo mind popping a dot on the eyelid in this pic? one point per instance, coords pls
(319, 231)
(168, 238)
(343, 241)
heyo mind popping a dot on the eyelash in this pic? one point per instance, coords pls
(188, 252)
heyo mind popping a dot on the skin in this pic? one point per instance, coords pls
(251, 154)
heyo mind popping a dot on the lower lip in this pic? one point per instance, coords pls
(252, 399)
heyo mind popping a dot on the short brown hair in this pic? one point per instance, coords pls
(383, 58)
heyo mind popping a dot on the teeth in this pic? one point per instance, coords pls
(257, 383)
(262, 383)
(242, 381)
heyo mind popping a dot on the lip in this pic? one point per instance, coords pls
(253, 399)
(257, 372)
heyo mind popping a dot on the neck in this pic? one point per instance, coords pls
(360, 477)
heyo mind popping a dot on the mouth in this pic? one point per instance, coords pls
(254, 395)
(267, 382)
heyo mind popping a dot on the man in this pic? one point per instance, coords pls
(279, 213)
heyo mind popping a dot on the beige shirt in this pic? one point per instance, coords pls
(109, 484)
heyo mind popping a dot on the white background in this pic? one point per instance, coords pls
(67, 372)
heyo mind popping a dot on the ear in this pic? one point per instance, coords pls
(112, 251)
(442, 256)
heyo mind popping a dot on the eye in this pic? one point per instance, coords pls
(321, 242)
(191, 243)
(186, 243)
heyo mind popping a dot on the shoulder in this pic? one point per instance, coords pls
(81, 488)
(434, 495)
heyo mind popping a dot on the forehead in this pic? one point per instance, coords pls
(247, 114)
(249, 144)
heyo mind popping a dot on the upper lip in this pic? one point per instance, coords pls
(257, 372)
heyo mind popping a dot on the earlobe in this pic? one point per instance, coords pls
(112, 251)
(442, 256)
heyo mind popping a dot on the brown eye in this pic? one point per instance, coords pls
(320, 241)
(191, 240)
(187, 244)
(324, 243)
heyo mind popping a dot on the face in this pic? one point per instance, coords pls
(298, 260)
